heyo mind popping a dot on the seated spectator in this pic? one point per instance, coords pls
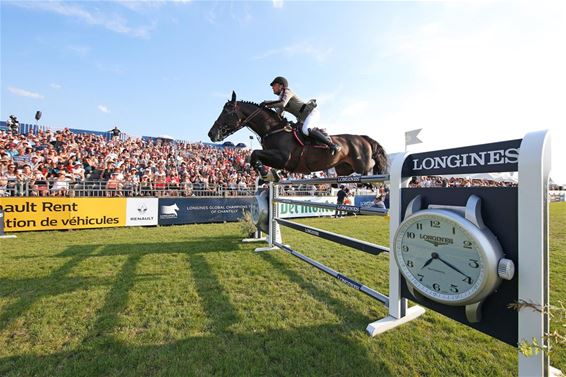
(3, 185)
(60, 186)
(113, 186)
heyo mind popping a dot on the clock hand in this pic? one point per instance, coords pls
(430, 260)
(452, 267)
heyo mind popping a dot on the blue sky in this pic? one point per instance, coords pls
(465, 72)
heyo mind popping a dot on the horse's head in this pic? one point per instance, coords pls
(228, 122)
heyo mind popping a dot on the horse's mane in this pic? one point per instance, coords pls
(269, 111)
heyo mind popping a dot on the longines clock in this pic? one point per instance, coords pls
(447, 255)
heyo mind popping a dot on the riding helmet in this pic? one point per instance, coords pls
(280, 80)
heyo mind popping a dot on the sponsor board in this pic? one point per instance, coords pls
(297, 210)
(485, 158)
(364, 200)
(202, 210)
(25, 214)
(141, 211)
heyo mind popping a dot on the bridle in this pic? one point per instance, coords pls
(240, 123)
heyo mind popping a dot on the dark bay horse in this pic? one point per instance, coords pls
(281, 150)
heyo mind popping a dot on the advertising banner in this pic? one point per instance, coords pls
(25, 214)
(1, 222)
(141, 211)
(297, 210)
(202, 210)
(364, 200)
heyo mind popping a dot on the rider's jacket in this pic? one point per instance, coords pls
(288, 101)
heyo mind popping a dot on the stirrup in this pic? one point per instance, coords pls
(334, 148)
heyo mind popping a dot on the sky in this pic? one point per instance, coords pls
(465, 72)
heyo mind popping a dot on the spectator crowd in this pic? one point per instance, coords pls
(62, 163)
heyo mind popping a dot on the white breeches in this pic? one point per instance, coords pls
(312, 121)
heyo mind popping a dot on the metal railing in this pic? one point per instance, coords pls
(117, 189)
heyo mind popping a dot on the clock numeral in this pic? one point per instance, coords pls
(435, 224)
(405, 248)
(419, 226)
(410, 263)
(468, 280)
(454, 288)
(410, 235)
(473, 263)
(421, 277)
(467, 244)
(436, 287)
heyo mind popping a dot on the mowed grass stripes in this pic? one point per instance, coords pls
(195, 301)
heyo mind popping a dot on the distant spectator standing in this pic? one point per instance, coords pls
(340, 196)
(13, 124)
(115, 133)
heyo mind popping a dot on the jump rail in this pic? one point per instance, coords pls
(337, 207)
(345, 179)
(364, 246)
(346, 280)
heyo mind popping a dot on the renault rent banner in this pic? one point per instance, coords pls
(25, 214)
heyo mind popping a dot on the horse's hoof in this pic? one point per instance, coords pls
(276, 177)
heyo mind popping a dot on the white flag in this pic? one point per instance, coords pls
(411, 137)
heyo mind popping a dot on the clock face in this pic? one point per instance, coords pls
(439, 254)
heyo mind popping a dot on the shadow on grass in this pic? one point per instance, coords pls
(314, 351)
(308, 351)
(30, 290)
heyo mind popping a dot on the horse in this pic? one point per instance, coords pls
(283, 149)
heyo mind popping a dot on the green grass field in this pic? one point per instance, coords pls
(195, 301)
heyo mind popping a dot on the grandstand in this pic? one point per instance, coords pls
(39, 161)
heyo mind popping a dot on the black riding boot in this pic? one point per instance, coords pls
(319, 136)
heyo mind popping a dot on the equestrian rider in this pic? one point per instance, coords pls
(305, 112)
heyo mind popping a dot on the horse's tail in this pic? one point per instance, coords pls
(379, 156)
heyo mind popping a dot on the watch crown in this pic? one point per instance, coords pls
(506, 269)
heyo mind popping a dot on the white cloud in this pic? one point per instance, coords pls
(278, 3)
(55, 86)
(493, 81)
(24, 93)
(303, 48)
(103, 109)
(110, 22)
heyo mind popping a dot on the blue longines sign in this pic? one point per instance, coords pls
(202, 210)
(364, 200)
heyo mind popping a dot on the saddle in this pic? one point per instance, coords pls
(305, 140)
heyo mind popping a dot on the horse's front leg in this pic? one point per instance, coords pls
(272, 158)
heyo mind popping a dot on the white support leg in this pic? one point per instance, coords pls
(391, 322)
(274, 229)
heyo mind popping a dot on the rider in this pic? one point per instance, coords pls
(305, 112)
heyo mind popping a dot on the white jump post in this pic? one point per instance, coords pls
(399, 312)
